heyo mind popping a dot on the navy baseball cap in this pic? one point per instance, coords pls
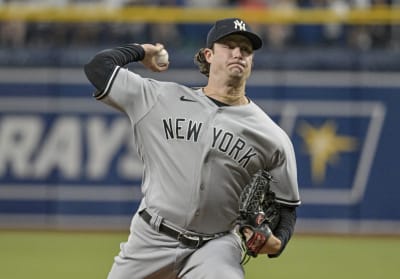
(228, 26)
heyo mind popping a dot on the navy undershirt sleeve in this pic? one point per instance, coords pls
(101, 68)
(285, 228)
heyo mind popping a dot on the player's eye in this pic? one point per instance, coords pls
(229, 45)
(246, 50)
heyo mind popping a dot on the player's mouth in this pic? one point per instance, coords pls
(239, 64)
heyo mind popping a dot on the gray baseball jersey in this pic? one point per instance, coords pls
(198, 156)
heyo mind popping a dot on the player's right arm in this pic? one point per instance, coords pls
(104, 65)
(116, 85)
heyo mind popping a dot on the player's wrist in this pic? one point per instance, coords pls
(139, 51)
(272, 245)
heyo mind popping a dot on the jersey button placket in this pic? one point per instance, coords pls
(210, 121)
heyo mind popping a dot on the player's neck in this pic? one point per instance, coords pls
(227, 95)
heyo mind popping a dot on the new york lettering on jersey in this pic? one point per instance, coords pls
(224, 141)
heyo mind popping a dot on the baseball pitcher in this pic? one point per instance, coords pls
(219, 177)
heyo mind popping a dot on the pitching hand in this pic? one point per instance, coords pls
(149, 60)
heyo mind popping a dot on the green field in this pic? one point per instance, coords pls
(42, 255)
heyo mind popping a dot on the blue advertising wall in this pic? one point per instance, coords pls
(68, 161)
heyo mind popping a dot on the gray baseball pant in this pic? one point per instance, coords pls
(149, 254)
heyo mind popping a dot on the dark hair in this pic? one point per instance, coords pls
(201, 62)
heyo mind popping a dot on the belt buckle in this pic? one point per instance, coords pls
(198, 239)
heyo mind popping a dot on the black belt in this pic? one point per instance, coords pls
(189, 239)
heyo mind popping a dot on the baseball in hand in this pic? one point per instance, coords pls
(162, 58)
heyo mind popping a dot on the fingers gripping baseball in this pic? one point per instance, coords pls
(156, 57)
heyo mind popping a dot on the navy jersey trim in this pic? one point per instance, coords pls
(100, 95)
(288, 202)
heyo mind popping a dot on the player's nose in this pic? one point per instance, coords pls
(237, 52)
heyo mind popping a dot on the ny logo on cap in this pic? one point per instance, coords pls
(240, 25)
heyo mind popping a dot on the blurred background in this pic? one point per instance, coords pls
(329, 74)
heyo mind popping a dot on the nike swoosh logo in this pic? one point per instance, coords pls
(184, 99)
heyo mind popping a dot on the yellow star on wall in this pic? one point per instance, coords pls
(324, 145)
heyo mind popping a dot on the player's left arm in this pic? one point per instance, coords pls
(284, 230)
(285, 187)
(278, 239)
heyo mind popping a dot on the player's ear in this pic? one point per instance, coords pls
(208, 52)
